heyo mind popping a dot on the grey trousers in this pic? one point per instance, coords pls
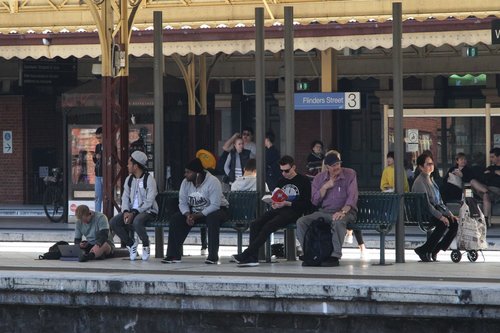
(338, 228)
(138, 225)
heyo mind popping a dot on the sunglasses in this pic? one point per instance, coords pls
(285, 170)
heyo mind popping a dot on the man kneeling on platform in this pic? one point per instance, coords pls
(200, 201)
(335, 192)
(94, 226)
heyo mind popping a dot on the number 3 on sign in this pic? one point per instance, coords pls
(352, 101)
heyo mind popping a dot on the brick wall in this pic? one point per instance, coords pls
(12, 165)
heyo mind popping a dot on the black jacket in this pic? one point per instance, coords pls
(244, 157)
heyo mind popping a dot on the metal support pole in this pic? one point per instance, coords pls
(289, 112)
(289, 84)
(397, 61)
(159, 161)
(260, 99)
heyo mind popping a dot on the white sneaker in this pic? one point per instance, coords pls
(348, 239)
(132, 250)
(145, 253)
(203, 252)
(364, 255)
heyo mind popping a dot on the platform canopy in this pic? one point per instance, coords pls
(212, 26)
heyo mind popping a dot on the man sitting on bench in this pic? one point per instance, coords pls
(200, 201)
(298, 191)
(488, 188)
(335, 192)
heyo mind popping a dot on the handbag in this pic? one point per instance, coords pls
(455, 180)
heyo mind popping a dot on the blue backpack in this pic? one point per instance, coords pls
(317, 242)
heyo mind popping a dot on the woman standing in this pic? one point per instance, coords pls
(234, 161)
(442, 218)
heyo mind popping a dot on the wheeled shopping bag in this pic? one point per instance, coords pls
(471, 234)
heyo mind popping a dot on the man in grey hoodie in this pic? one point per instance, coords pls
(200, 201)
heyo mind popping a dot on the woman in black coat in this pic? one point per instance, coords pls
(453, 182)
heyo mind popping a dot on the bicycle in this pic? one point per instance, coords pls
(53, 201)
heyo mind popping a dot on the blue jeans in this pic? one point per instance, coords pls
(98, 194)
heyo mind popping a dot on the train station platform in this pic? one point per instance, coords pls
(119, 295)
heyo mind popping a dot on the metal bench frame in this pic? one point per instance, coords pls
(242, 211)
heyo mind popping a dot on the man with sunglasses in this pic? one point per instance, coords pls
(297, 188)
(335, 192)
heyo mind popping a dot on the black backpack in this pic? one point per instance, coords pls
(144, 180)
(54, 252)
(317, 242)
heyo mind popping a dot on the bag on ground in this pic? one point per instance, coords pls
(471, 234)
(318, 242)
(54, 252)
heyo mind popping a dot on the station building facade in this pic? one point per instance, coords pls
(49, 99)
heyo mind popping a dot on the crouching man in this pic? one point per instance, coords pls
(95, 227)
(335, 192)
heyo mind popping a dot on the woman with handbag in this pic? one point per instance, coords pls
(454, 180)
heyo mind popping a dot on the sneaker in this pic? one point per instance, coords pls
(211, 261)
(145, 253)
(364, 255)
(171, 260)
(83, 257)
(330, 262)
(236, 258)
(248, 263)
(348, 239)
(203, 252)
(132, 250)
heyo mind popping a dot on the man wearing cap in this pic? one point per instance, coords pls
(200, 201)
(335, 193)
(138, 205)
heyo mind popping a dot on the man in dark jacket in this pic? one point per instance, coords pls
(97, 158)
(273, 173)
(297, 188)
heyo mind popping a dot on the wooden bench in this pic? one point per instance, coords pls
(376, 211)
(242, 210)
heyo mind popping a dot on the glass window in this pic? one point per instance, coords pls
(445, 137)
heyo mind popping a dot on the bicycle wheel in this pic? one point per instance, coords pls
(53, 203)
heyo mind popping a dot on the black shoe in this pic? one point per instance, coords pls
(330, 262)
(424, 256)
(171, 260)
(211, 261)
(249, 262)
(83, 257)
(236, 258)
(309, 264)
(301, 257)
(434, 255)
